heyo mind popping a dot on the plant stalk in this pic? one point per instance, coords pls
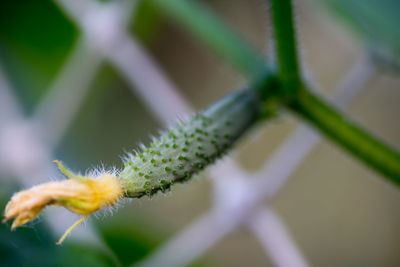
(284, 32)
(332, 123)
(345, 132)
(199, 21)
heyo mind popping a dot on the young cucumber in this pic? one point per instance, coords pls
(191, 146)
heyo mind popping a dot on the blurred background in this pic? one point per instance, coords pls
(79, 81)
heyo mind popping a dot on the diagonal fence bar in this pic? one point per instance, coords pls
(67, 93)
(275, 239)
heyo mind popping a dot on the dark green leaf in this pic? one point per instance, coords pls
(375, 21)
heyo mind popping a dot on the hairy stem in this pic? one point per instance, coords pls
(350, 136)
(202, 24)
(285, 44)
(335, 125)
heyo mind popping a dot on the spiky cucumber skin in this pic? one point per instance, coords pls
(191, 146)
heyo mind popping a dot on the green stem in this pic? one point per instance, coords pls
(345, 132)
(338, 127)
(284, 32)
(200, 22)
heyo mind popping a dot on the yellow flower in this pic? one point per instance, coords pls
(80, 194)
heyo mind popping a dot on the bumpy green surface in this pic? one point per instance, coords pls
(191, 146)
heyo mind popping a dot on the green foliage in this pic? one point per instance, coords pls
(146, 23)
(128, 244)
(376, 22)
(35, 38)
